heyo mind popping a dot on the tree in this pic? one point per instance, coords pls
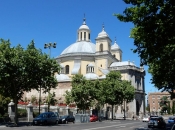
(115, 91)
(153, 35)
(52, 99)
(128, 91)
(164, 104)
(23, 70)
(80, 93)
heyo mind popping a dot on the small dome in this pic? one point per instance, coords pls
(122, 63)
(84, 27)
(115, 46)
(90, 65)
(61, 77)
(103, 33)
(91, 76)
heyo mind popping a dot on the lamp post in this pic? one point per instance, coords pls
(49, 45)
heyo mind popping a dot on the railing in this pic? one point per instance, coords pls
(126, 67)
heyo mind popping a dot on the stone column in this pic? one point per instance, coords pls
(29, 112)
(11, 110)
(91, 111)
(67, 110)
(45, 107)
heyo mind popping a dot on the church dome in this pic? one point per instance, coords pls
(61, 77)
(91, 76)
(80, 47)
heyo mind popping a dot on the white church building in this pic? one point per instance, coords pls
(95, 61)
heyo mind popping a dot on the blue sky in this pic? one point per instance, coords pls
(58, 21)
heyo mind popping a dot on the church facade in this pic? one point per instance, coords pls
(95, 61)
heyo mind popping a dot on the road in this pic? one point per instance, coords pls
(104, 125)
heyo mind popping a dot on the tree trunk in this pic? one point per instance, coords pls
(112, 111)
(16, 110)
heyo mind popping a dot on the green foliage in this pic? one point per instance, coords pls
(51, 98)
(154, 39)
(4, 101)
(23, 70)
(82, 92)
(87, 93)
(128, 91)
(33, 99)
(116, 90)
(164, 103)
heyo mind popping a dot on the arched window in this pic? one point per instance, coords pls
(114, 55)
(101, 47)
(67, 69)
(89, 36)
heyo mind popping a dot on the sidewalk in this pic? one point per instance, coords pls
(19, 124)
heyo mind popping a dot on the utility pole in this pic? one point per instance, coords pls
(49, 45)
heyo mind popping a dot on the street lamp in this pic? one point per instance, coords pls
(49, 45)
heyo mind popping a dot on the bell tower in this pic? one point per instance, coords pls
(103, 42)
(83, 32)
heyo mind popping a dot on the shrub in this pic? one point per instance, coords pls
(22, 113)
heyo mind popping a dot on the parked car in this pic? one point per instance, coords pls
(93, 118)
(171, 119)
(145, 119)
(156, 122)
(66, 119)
(46, 118)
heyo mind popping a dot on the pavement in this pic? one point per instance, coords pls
(25, 123)
(19, 124)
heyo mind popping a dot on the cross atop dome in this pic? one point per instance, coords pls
(103, 27)
(84, 20)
